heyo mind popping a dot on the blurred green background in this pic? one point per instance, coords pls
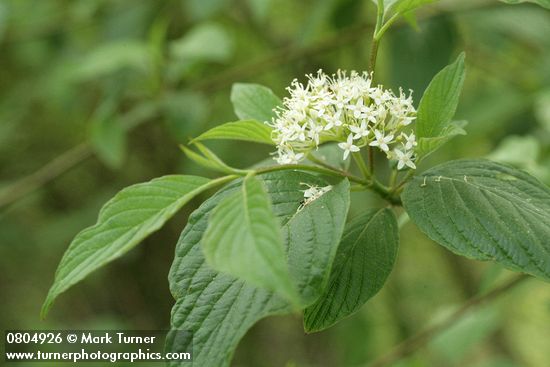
(96, 95)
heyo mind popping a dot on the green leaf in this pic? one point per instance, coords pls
(184, 114)
(108, 139)
(430, 145)
(410, 18)
(543, 3)
(485, 211)
(438, 104)
(133, 214)
(518, 151)
(312, 237)
(205, 42)
(365, 258)
(243, 239)
(219, 308)
(107, 135)
(404, 6)
(254, 102)
(387, 3)
(247, 130)
(110, 58)
(210, 160)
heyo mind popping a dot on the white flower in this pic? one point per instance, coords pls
(372, 115)
(381, 140)
(359, 109)
(342, 108)
(334, 120)
(379, 95)
(410, 141)
(404, 159)
(289, 157)
(360, 131)
(348, 146)
(314, 131)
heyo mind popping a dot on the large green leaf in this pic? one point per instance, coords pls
(438, 104)
(254, 102)
(312, 238)
(543, 3)
(244, 239)
(364, 260)
(486, 211)
(219, 308)
(133, 214)
(247, 130)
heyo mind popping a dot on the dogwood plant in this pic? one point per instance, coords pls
(277, 238)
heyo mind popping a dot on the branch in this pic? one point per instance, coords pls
(47, 173)
(412, 344)
(69, 159)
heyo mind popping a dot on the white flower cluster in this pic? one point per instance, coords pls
(346, 109)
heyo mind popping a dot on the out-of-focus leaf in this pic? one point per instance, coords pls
(520, 151)
(108, 139)
(526, 319)
(410, 17)
(543, 3)
(415, 57)
(3, 19)
(316, 19)
(254, 102)
(185, 114)
(107, 135)
(112, 57)
(542, 109)
(259, 8)
(206, 42)
(201, 9)
(457, 341)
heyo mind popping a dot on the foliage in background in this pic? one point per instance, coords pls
(56, 83)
